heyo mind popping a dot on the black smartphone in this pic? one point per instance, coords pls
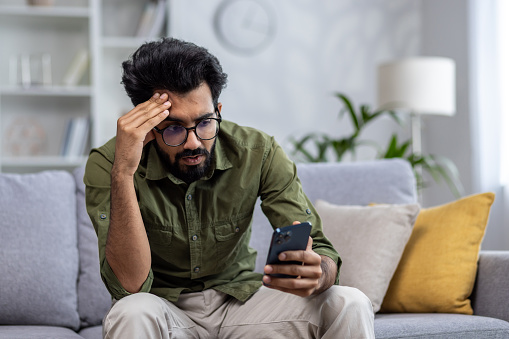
(288, 238)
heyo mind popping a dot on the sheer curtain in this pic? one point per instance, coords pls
(489, 118)
(504, 95)
(503, 42)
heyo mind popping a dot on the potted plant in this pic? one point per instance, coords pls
(317, 147)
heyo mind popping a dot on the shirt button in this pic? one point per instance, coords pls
(189, 197)
(195, 237)
(102, 216)
(196, 270)
(308, 211)
(237, 229)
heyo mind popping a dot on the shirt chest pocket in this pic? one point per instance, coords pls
(159, 236)
(230, 238)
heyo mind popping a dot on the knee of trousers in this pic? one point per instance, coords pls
(137, 307)
(347, 299)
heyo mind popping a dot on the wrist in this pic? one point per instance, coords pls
(328, 277)
(119, 174)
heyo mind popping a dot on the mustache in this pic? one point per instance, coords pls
(191, 153)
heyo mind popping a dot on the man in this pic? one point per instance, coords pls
(171, 199)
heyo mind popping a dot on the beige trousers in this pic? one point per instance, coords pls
(339, 312)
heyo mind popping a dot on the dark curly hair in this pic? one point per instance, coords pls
(174, 65)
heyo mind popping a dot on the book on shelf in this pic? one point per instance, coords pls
(75, 137)
(77, 68)
(152, 19)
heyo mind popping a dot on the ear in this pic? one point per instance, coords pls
(219, 106)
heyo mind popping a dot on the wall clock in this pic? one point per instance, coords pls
(245, 26)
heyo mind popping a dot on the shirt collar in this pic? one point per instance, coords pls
(221, 158)
(153, 168)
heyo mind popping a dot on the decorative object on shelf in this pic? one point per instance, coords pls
(152, 19)
(77, 68)
(40, 2)
(440, 168)
(418, 85)
(30, 70)
(24, 137)
(75, 137)
(245, 26)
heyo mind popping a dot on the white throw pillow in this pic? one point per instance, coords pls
(370, 241)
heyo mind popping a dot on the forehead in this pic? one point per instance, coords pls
(192, 106)
(199, 97)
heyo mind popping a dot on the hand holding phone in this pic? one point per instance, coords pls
(288, 238)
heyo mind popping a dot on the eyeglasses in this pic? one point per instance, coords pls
(176, 135)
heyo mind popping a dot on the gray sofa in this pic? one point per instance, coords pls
(49, 275)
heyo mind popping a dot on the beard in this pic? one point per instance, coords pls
(186, 173)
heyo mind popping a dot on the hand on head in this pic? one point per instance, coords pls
(135, 130)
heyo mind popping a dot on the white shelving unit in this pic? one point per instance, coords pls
(34, 115)
(50, 11)
(51, 91)
(33, 118)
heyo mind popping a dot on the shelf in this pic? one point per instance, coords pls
(43, 161)
(51, 11)
(125, 42)
(62, 30)
(50, 91)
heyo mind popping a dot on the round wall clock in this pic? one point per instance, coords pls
(245, 26)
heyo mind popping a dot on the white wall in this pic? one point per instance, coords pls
(320, 47)
(448, 30)
(445, 33)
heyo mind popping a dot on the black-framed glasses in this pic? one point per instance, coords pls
(176, 135)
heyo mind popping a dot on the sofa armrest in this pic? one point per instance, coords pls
(491, 291)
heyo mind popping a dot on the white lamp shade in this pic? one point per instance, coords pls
(423, 85)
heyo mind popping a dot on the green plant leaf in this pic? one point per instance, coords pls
(394, 150)
(299, 147)
(322, 147)
(349, 109)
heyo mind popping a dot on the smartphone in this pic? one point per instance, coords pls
(288, 238)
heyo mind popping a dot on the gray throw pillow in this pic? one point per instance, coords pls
(370, 240)
(38, 250)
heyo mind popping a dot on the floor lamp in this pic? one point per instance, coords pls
(417, 86)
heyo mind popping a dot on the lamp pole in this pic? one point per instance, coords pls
(417, 149)
(416, 133)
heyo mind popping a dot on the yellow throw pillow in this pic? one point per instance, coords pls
(438, 268)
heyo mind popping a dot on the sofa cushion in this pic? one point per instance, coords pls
(37, 332)
(438, 267)
(491, 285)
(94, 332)
(389, 181)
(370, 240)
(439, 326)
(38, 249)
(93, 297)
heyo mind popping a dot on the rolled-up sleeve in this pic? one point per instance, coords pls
(284, 201)
(97, 181)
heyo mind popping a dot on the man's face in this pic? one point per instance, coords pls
(191, 160)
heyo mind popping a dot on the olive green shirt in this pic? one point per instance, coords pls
(199, 233)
